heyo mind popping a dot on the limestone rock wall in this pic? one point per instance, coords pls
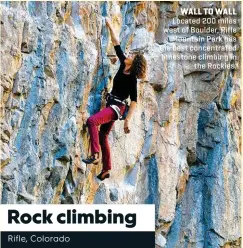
(183, 152)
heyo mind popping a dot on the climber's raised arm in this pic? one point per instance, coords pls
(114, 38)
(116, 42)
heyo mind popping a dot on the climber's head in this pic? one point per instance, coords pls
(130, 56)
(138, 64)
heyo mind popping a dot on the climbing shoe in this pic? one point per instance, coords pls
(91, 160)
(103, 175)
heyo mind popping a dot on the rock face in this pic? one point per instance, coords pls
(183, 152)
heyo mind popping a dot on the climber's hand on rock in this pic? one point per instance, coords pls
(126, 126)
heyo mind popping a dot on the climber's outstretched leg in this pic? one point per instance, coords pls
(104, 144)
(104, 116)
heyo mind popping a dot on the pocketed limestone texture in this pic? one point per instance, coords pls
(183, 152)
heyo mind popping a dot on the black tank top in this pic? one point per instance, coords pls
(124, 85)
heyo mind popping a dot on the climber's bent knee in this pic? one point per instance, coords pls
(90, 121)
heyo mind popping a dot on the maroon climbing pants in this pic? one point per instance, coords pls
(106, 118)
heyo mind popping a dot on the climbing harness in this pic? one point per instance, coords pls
(112, 101)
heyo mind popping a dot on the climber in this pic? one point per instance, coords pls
(131, 68)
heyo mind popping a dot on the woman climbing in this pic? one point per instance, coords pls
(131, 68)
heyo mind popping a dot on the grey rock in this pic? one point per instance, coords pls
(183, 152)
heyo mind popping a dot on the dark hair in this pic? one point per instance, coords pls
(139, 66)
